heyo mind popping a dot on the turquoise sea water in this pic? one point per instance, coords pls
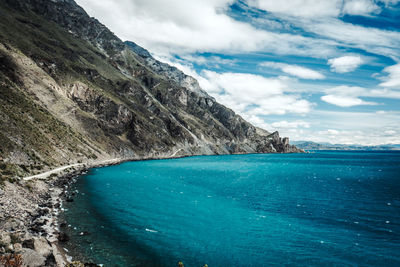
(317, 209)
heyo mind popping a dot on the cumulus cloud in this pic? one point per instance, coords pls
(294, 70)
(345, 63)
(345, 101)
(253, 94)
(393, 78)
(360, 7)
(346, 96)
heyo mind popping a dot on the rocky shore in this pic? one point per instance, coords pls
(30, 232)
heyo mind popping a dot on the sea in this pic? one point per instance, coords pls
(323, 208)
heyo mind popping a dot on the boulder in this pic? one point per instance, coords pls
(42, 247)
(17, 247)
(31, 258)
(5, 238)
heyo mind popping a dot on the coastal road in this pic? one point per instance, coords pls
(48, 173)
(45, 175)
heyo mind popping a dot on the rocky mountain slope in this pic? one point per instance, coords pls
(70, 90)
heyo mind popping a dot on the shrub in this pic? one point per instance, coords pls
(11, 260)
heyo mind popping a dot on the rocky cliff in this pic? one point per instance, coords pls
(70, 90)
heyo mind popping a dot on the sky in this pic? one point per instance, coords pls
(315, 70)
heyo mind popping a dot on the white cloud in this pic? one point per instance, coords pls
(320, 8)
(384, 93)
(365, 128)
(373, 40)
(253, 95)
(360, 7)
(184, 27)
(389, 2)
(346, 96)
(285, 128)
(345, 101)
(390, 132)
(294, 70)
(345, 63)
(301, 8)
(291, 124)
(329, 132)
(393, 78)
(212, 61)
(245, 86)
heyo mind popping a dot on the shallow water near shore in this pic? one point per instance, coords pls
(318, 209)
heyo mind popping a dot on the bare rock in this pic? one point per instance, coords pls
(285, 141)
(17, 247)
(31, 258)
(58, 256)
(5, 238)
(42, 247)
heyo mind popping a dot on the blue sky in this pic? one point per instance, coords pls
(319, 70)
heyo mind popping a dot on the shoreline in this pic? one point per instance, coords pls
(29, 214)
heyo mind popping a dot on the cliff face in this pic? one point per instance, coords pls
(70, 90)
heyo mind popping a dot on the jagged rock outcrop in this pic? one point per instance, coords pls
(169, 72)
(72, 90)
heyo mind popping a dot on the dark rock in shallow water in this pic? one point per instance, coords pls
(63, 225)
(63, 237)
(70, 200)
(80, 264)
(51, 261)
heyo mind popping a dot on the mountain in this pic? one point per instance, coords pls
(309, 145)
(72, 91)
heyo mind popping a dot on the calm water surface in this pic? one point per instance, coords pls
(317, 209)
